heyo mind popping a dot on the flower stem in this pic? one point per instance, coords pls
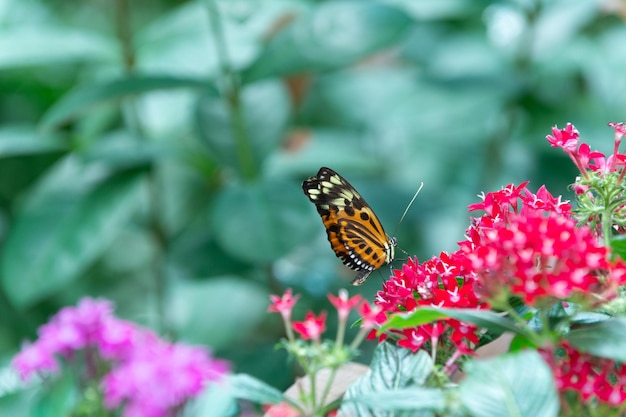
(231, 90)
(606, 226)
(133, 121)
(359, 337)
(329, 384)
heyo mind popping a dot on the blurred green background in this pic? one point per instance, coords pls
(152, 152)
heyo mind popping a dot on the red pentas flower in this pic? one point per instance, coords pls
(564, 138)
(312, 327)
(343, 304)
(444, 281)
(536, 255)
(592, 377)
(370, 315)
(283, 304)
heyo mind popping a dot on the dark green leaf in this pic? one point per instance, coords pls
(66, 222)
(394, 382)
(618, 246)
(481, 318)
(606, 339)
(513, 385)
(332, 34)
(261, 222)
(264, 115)
(249, 388)
(83, 98)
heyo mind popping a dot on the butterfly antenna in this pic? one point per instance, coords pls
(407, 209)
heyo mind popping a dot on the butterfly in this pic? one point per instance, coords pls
(354, 232)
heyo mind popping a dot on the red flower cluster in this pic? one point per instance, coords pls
(537, 256)
(590, 376)
(443, 281)
(583, 157)
(535, 250)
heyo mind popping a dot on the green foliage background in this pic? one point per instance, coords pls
(152, 152)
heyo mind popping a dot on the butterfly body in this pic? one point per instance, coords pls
(355, 234)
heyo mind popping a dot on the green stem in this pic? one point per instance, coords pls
(231, 89)
(313, 377)
(329, 384)
(606, 226)
(534, 338)
(359, 338)
(133, 121)
(341, 331)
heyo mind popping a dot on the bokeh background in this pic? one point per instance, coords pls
(151, 152)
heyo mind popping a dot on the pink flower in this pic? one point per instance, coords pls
(283, 305)
(312, 327)
(369, 315)
(620, 128)
(118, 338)
(567, 138)
(343, 304)
(159, 377)
(34, 358)
(148, 376)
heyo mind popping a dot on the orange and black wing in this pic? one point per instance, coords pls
(354, 232)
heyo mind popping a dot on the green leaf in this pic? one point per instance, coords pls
(249, 388)
(481, 318)
(215, 401)
(513, 385)
(194, 310)
(57, 398)
(70, 217)
(122, 150)
(417, 401)
(265, 111)
(394, 382)
(24, 140)
(333, 34)
(263, 221)
(606, 339)
(45, 45)
(618, 246)
(83, 98)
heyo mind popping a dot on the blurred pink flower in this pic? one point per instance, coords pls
(312, 327)
(160, 376)
(343, 304)
(283, 304)
(148, 376)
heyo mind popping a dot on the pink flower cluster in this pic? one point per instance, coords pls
(591, 376)
(147, 375)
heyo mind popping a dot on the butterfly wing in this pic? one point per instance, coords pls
(356, 235)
